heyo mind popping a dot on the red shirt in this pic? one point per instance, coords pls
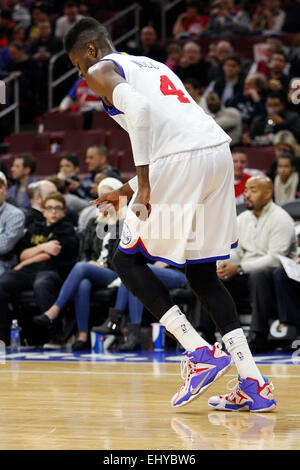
(239, 188)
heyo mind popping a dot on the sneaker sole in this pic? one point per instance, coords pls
(245, 408)
(203, 389)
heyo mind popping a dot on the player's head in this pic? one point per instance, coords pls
(86, 43)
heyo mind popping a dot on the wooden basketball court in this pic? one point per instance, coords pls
(125, 405)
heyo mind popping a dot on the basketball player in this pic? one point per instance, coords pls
(182, 160)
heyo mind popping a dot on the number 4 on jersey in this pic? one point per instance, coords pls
(167, 88)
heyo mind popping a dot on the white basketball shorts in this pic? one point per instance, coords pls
(193, 212)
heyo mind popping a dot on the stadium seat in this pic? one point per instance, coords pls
(79, 141)
(118, 138)
(260, 158)
(46, 164)
(101, 120)
(292, 208)
(29, 142)
(63, 121)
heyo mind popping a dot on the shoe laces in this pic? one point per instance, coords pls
(187, 366)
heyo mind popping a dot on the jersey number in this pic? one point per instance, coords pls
(167, 88)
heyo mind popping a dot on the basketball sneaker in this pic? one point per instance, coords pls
(247, 395)
(199, 369)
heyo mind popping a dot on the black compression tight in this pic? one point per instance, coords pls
(142, 282)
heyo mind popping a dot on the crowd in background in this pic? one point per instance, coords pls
(48, 227)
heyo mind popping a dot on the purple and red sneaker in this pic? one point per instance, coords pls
(247, 395)
(200, 369)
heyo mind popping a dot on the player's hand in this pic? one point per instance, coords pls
(105, 202)
(141, 205)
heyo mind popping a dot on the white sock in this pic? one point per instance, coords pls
(176, 323)
(236, 344)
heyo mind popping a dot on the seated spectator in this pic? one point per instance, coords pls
(223, 49)
(192, 64)
(287, 293)
(261, 63)
(240, 162)
(47, 253)
(286, 183)
(284, 141)
(228, 118)
(251, 102)
(174, 54)
(68, 168)
(265, 231)
(6, 27)
(94, 269)
(22, 169)
(42, 50)
(20, 14)
(91, 211)
(20, 61)
(292, 19)
(193, 87)
(65, 22)
(80, 98)
(293, 95)
(97, 160)
(276, 118)
(268, 17)
(18, 35)
(37, 192)
(171, 277)
(11, 228)
(74, 204)
(230, 83)
(190, 22)
(278, 80)
(148, 45)
(39, 13)
(226, 19)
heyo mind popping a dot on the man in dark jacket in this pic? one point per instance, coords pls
(276, 118)
(47, 253)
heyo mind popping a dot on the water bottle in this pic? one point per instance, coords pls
(15, 337)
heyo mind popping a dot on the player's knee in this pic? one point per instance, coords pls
(201, 273)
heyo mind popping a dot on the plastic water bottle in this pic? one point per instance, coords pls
(15, 337)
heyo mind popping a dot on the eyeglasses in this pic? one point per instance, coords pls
(56, 208)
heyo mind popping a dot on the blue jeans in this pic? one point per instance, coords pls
(172, 278)
(78, 285)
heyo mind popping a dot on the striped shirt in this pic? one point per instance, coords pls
(11, 230)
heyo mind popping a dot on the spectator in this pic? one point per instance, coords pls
(286, 184)
(18, 35)
(277, 79)
(287, 293)
(172, 279)
(268, 17)
(223, 50)
(37, 192)
(228, 118)
(6, 28)
(97, 160)
(230, 83)
(64, 23)
(148, 45)
(190, 22)
(39, 13)
(293, 95)
(91, 211)
(82, 98)
(20, 14)
(11, 228)
(240, 163)
(20, 61)
(42, 50)
(276, 118)
(22, 169)
(193, 87)
(174, 54)
(47, 253)
(292, 19)
(94, 269)
(225, 19)
(284, 141)
(265, 231)
(74, 204)
(251, 102)
(192, 64)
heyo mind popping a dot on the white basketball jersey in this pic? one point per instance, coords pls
(177, 123)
